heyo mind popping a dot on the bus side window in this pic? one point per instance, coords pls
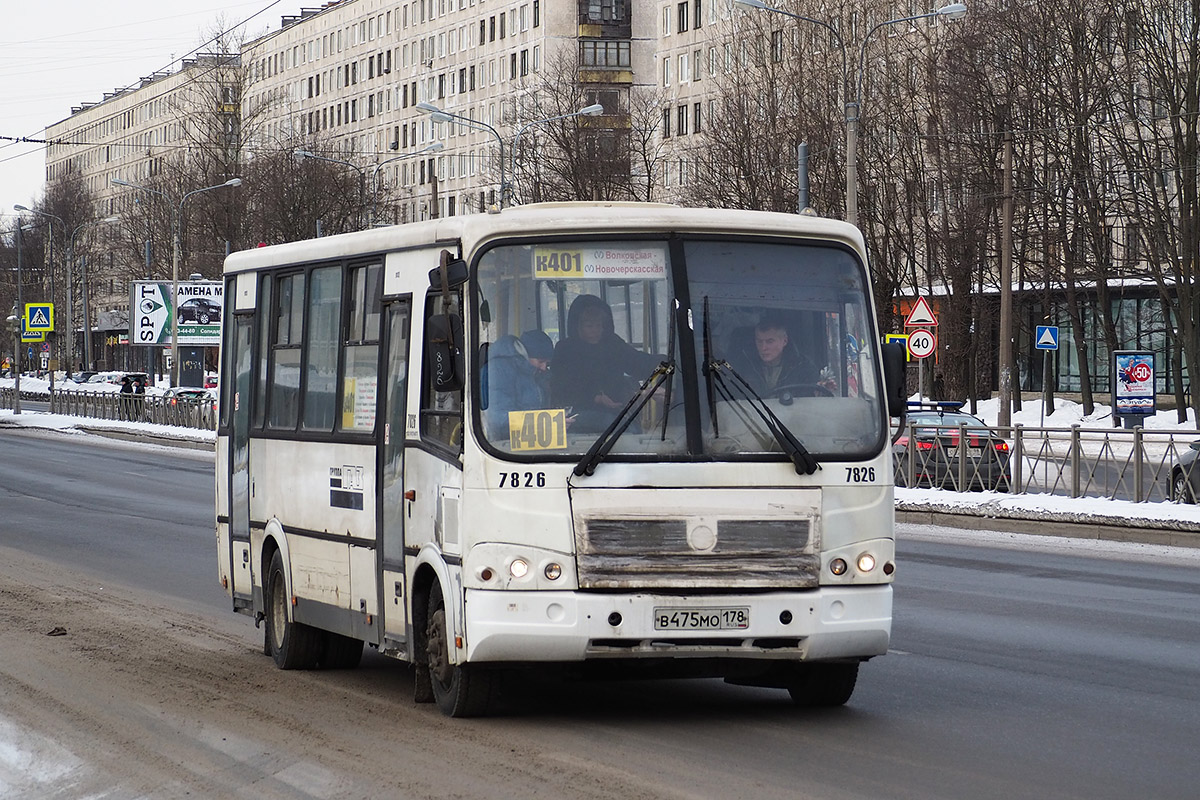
(441, 412)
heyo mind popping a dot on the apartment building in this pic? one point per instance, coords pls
(346, 81)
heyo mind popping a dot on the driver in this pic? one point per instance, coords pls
(779, 362)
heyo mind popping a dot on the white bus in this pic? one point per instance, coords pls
(614, 436)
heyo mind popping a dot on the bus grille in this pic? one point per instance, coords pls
(640, 553)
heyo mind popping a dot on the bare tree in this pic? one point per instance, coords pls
(1159, 141)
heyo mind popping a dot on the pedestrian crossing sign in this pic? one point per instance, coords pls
(31, 336)
(39, 317)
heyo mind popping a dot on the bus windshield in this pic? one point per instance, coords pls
(773, 332)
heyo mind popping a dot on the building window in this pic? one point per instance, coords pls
(666, 125)
(681, 119)
(683, 17)
(604, 53)
(696, 118)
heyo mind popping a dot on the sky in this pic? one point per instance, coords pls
(58, 54)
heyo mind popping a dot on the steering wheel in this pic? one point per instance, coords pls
(801, 390)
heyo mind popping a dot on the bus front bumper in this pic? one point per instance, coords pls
(825, 623)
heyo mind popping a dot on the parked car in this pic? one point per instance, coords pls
(1185, 476)
(940, 460)
(83, 376)
(188, 395)
(199, 309)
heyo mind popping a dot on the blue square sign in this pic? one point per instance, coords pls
(1046, 337)
(39, 317)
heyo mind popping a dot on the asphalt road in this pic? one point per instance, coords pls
(1019, 668)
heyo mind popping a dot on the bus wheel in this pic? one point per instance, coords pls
(460, 690)
(823, 685)
(293, 645)
(341, 652)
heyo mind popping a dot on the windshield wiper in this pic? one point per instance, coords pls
(801, 459)
(600, 447)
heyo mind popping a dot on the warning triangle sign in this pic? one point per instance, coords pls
(921, 315)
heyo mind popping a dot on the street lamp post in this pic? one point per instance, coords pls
(301, 154)
(19, 318)
(50, 223)
(853, 103)
(70, 320)
(437, 115)
(176, 255)
(431, 148)
(588, 111)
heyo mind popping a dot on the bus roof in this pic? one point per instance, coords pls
(582, 218)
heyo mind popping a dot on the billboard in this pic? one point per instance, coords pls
(199, 306)
(1133, 382)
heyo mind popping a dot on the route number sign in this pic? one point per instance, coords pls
(922, 343)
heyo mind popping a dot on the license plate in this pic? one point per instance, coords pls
(701, 619)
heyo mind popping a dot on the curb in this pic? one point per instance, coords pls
(1105, 529)
(144, 436)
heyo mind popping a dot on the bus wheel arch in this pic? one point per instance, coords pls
(460, 690)
(424, 578)
(292, 645)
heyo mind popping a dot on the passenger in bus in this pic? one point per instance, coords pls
(775, 361)
(595, 371)
(515, 379)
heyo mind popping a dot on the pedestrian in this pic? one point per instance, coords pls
(139, 399)
(125, 401)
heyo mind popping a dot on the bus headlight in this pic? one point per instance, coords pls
(495, 566)
(866, 562)
(838, 566)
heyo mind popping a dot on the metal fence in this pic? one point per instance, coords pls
(113, 405)
(1111, 463)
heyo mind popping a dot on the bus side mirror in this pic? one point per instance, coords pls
(895, 386)
(443, 348)
(456, 274)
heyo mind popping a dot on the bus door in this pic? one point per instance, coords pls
(393, 408)
(239, 460)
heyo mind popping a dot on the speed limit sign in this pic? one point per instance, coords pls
(922, 343)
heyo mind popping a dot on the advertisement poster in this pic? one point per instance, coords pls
(199, 306)
(1133, 382)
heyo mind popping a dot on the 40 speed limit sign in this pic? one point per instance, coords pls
(922, 343)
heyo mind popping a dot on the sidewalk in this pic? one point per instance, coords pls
(1085, 518)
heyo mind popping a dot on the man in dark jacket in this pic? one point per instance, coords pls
(595, 370)
(778, 362)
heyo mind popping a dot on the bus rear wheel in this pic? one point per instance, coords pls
(341, 652)
(292, 645)
(460, 690)
(823, 685)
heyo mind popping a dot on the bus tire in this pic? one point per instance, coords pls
(293, 645)
(460, 690)
(823, 685)
(341, 652)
